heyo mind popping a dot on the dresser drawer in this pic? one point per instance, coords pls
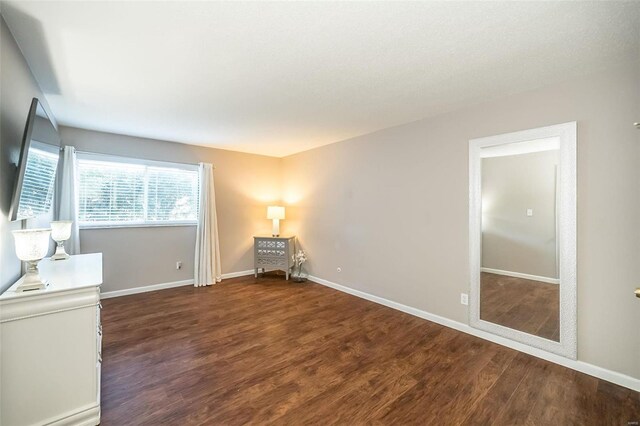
(275, 253)
(271, 244)
(269, 262)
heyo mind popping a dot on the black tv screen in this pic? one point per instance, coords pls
(37, 168)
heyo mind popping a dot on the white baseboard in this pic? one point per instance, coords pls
(162, 286)
(144, 289)
(521, 275)
(238, 274)
(84, 416)
(583, 367)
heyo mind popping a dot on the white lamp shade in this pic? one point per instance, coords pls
(61, 230)
(275, 212)
(31, 244)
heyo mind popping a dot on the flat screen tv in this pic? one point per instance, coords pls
(38, 165)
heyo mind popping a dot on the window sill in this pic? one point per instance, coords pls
(137, 225)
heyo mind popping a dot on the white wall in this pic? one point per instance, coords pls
(391, 207)
(511, 240)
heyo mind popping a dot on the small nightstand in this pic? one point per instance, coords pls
(273, 253)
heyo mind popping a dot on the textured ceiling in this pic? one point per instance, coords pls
(279, 78)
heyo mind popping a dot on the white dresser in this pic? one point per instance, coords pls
(50, 347)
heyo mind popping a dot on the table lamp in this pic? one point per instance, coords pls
(275, 213)
(31, 246)
(60, 232)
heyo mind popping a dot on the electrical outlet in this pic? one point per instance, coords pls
(464, 298)
(178, 265)
(339, 269)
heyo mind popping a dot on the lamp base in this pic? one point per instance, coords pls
(30, 287)
(31, 281)
(275, 228)
(60, 254)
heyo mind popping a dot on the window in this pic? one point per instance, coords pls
(116, 191)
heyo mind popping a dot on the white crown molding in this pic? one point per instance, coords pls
(163, 286)
(521, 275)
(583, 367)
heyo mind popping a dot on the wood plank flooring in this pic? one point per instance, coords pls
(266, 351)
(525, 305)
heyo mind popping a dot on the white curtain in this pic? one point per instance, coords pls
(207, 262)
(68, 201)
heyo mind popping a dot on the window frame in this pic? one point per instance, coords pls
(94, 156)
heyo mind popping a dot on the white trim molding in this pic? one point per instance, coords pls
(566, 134)
(162, 286)
(86, 417)
(583, 367)
(237, 274)
(144, 289)
(540, 278)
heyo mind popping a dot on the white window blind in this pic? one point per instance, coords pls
(116, 191)
(39, 177)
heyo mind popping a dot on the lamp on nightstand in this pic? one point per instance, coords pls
(275, 213)
(31, 246)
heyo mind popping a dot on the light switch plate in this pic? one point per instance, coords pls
(529, 212)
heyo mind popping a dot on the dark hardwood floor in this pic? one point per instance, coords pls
(525, 305)
(266, 351)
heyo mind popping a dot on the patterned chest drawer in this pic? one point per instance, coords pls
(271, 243)
(280, 254)
(273, 253)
